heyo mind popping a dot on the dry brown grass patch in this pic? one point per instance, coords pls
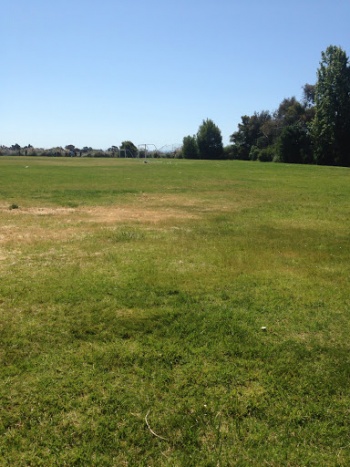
(33, 224)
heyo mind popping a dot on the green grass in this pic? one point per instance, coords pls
(132, 298)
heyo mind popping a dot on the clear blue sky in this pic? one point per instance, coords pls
(95, 73)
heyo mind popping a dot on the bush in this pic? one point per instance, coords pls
(266, 155)
(254, 153)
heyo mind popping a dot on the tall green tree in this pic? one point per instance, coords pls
(190, 147)
(128, 149)
(309, 95)
(289, 112)
(331, 125)
(294, 144)
(253, 131)
(293, 141)
(209, 141)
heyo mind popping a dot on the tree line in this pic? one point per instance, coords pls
(127, 149)
(315, 130)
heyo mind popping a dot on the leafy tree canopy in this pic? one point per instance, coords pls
(209, 141)
(309, 95)
(289, 112)
(190, 147)
(252, 131)
(129, 149)
(330, 127)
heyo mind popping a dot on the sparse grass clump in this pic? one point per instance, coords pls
(132, 302)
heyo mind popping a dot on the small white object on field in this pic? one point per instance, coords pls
(263, 328)
(26, 167)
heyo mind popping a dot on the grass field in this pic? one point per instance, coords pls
(132, 302)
